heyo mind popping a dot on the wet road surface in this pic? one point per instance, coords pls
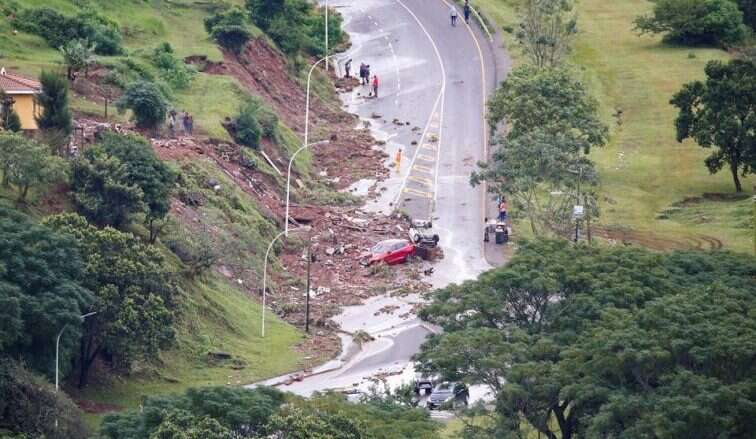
(430, 105)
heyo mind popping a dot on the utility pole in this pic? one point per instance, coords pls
(307, 299)
(326, 35)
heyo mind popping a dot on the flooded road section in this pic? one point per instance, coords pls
(430, 106)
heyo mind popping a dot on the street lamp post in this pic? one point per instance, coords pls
(57, 347)
(304, 145)
(326, 37)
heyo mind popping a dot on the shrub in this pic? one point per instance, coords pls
(147, 103)
(54, 101)
(172, 70)
(229, 29)
(9, 119)
(58, 29)
(695, 21)
(32, 408)
(248, 129)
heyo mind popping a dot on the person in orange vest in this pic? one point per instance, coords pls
(503, 209)
(375, 85)
(398, 160)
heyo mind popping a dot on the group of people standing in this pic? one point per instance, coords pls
(365, 78)
(187, 122)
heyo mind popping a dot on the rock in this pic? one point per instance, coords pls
(330, 251)
(219, 355)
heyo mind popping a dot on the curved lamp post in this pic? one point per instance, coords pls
(57, 346)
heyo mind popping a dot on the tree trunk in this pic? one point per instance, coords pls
(565, 425)
(24, 192)
(735, 177)
(85, 360)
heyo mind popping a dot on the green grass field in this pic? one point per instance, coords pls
(644, 170)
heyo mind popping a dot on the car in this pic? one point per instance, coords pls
(448, 394)
(390, 252)
(424, 383)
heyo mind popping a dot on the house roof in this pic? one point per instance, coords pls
(12, 83)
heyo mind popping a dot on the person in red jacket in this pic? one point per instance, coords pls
(375, 85)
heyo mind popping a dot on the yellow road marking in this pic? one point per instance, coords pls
(422, 168)
(423, 194)
(421, 180)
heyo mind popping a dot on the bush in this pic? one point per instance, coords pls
(248, 129)
(172, 70)
(147, 103)
(229, 29)
(9, 119)
(58, 29)
(30, 406)
(695, 21)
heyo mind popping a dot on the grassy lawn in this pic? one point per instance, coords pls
(644, 170)
(217, 318)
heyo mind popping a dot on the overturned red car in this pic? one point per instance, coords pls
(390, 252)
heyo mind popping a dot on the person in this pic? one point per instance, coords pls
(466, 10)
(375, 86)
(172, 122)
(453, 15)
(503, 209)
(362, 73)
(367, 74)
(347, 67)
(185, 121)
(189, 123)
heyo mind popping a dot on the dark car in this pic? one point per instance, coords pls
(424, 383)
(448, 394)
(390, 251)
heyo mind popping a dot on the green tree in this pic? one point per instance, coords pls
(134, 295)
(721, 113)
(553, 124)
(78, 55)
(11, 152)
(546, 30)
(552, 335)
(247, 129)
(143, 169)
(229, 29)
(295, 423)
(40, 292)
(236, 409)
(9, 119)
(101, 189)
(31, 165)
(53, 99)
(31, 407)
(695, 21)
(146, 102)
(748, 8)
(183, 425)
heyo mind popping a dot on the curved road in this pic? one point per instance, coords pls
(434, 79)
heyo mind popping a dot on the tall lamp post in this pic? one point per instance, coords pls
(326, 38)
(304, 146)
(57, 347)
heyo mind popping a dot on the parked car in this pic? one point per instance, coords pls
(424, 383)
(448, 394)
(390, 251)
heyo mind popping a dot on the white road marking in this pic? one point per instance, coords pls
(484, 108)
(440, 97)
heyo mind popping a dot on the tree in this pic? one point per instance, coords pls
(183, 425)
(30, 406)
(147, 103)
(54, 102)
(720, 112)
(143, 169)
(579, 341)
(229, 29)
(101, 189)
(134, 295)
(553, 125)
(546, 30)
(9, 119)
(695, 21)
(30, 164)
(40, 292)
(239, 410)
(78, 55)
(295, 423)
(748, 8)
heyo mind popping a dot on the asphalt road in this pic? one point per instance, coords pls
(430, 105)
